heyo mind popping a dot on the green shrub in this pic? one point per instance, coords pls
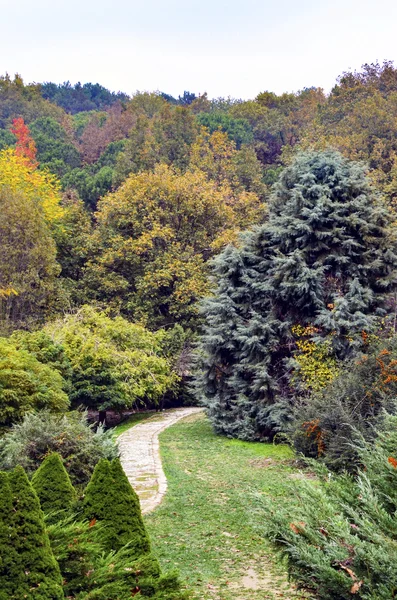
(9, 560)
(38, 574)
(69, 435)
(40, 345)
(77, 549)
(27, 384)
(52, 484)
(110, 498)
(116, 577)
(328, 424)
(340, 534)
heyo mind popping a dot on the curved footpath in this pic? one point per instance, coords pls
(140, 455)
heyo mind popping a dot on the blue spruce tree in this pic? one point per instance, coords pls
(325, 261)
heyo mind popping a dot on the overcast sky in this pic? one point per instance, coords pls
(236, 47)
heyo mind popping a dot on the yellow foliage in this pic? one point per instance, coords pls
(315, 364)
(40, 186)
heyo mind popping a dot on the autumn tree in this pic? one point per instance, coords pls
(25, 146)
(28, 266)
(18, 99)
(166, 137)
(154, 237)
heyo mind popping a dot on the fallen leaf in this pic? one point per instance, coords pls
(355, 587)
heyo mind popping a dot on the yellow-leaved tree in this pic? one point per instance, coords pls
(29, 208)
(42, 187)
(154, 237)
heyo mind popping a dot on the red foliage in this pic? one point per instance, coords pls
(25, 145)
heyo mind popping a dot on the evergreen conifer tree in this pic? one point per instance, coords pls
(110, 498)
(38, 575)
(325, 261)
(52, 484)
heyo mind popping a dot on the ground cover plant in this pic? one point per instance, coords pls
(205, 527)
(340, 540)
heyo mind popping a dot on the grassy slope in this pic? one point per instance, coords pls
(204, 528)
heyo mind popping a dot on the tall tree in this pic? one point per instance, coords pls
(154, 236)
(319, 271)
(28, 266)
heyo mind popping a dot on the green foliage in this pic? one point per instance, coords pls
(153, 238)
(80, 97)
(52, 485)
(326, 260)
(9, 559)
(70, 435)
(328, 424)
(110, 499)
(28, 264)
(41, 346)
(27, 384)
(72, 239)
(117, 577)
(77, 549)
(340, 535)
(115, 364)
(36, 574)
(55, 149)
(238, 130)
(7, 139)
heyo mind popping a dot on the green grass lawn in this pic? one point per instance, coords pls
(205, 526)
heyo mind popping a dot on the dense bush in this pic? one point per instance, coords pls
(327, 424)
(296, 296)
(52, 484)
(34, 572)
(110, 499)
(115, 364)
(79, 445)
(77, 548)
(340, 535)
(27, 384)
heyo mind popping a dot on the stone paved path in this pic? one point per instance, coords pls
(140, 456)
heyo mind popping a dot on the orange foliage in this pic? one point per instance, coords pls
(25, 146)
(392, 461)
(313, 430)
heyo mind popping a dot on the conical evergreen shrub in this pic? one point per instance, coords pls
(96, 490)
(38, 575)
(110, 498)
(9, 559)
(323, 264)
(52, 484)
